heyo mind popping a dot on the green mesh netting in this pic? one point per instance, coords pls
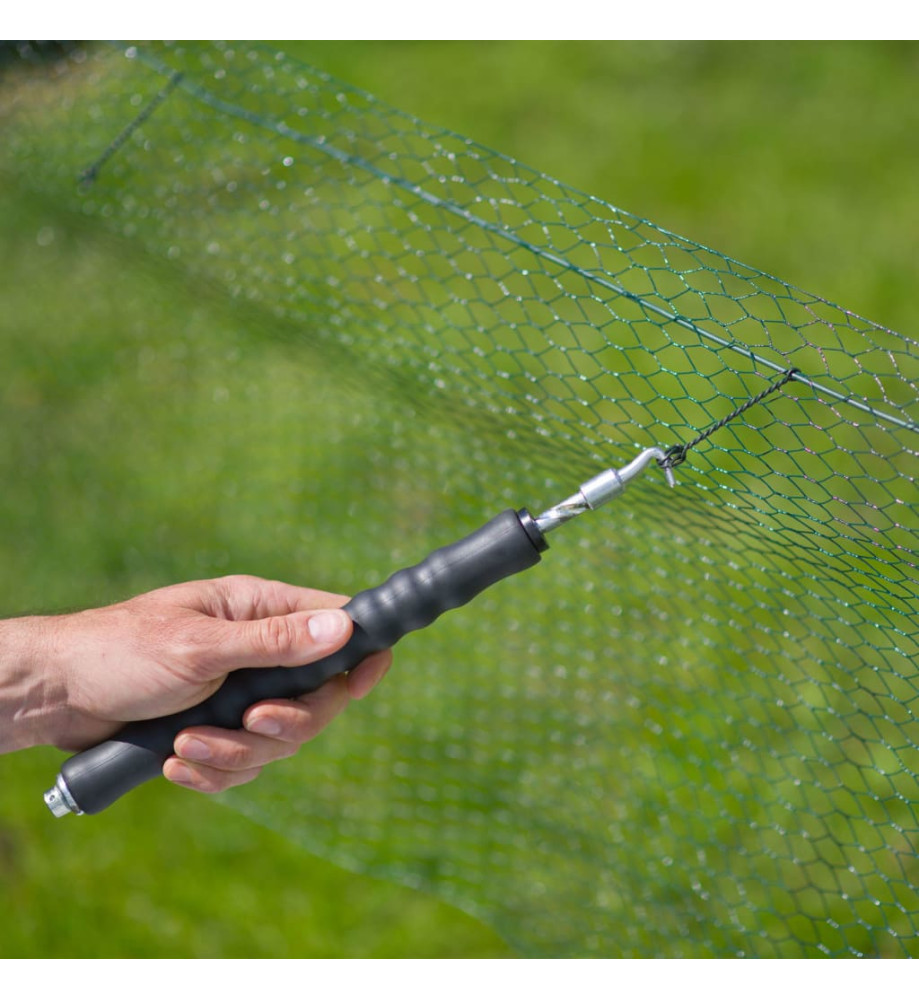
(692, 730)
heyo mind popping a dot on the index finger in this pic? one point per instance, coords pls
(246, 598)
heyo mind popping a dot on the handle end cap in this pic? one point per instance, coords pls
(59, 800)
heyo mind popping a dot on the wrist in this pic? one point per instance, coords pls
(31, 692)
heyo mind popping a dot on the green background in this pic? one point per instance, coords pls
(797, 158)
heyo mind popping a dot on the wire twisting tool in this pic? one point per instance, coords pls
(409, 600)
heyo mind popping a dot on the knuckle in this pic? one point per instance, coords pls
(304, 728)
(235, 757)
(215, 781)
(277, 635)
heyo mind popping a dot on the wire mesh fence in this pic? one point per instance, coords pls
(693, 731)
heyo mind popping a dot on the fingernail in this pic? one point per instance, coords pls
(193, 749)
(264, 725)
(180, 774)
(327, 626)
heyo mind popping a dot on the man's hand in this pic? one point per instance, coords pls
(81, 677)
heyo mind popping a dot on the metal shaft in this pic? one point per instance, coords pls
(595, 492)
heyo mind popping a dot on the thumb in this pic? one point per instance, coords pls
(281, 640)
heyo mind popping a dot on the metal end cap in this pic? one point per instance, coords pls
(58, 800)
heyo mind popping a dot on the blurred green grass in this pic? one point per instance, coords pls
(741, 147)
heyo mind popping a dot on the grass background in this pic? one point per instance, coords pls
(798, 158)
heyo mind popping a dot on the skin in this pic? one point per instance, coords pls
(73, 680)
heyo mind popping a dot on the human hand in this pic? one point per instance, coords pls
(169, 649)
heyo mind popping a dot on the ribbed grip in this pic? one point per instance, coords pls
(409, 600)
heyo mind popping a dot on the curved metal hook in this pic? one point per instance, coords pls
(601, 488)
(642, 461)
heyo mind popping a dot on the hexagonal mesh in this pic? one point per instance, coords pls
(692, 731)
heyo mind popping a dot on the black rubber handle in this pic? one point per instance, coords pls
(409, 600)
